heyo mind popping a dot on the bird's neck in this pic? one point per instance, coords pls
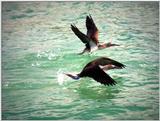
(104, 45)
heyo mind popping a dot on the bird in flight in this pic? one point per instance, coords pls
(95, 70)
(90, 40)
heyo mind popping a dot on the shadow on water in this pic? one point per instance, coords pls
(97, 93)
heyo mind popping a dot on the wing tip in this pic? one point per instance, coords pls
(111, 83)
(89, 16)
(73, 27)
(122, 66)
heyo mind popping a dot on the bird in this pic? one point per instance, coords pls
(95, 70)
(90, 40)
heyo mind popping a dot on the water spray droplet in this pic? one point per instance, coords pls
(60, 79)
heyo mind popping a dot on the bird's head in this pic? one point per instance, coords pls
(75, 77)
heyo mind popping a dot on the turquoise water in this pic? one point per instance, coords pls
(38, 46)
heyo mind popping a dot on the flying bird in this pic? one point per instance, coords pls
(95, 70)
(90, 40)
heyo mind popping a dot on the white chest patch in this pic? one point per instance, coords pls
(107, 67)
(93, 46)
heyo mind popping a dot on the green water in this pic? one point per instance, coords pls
(38, 45)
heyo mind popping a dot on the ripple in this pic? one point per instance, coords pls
(38, 46)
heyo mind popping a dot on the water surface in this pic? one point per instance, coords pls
(38, 45)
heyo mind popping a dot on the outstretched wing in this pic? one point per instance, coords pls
(102, 61)
(98, 75)
(79, 34)
(92, 31)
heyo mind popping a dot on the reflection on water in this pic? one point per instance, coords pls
(38, 46)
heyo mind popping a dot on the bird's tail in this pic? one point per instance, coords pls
(75, 77)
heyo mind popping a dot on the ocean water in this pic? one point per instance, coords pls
(38, 46)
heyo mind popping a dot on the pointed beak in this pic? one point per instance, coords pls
(114, 44)
(72, 76)
(67, 74)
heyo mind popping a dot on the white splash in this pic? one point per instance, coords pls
(60, 79)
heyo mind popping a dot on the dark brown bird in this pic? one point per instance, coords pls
(90, 40)
(95, 69)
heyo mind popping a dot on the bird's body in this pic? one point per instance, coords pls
(91, 38)
(95, 69)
